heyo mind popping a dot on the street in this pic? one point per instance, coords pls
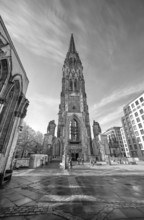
(84, 192)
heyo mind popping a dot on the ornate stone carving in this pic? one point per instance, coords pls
(96, 129)
(51, 127)
(4, 47)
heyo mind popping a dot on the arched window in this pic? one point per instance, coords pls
(0, 69)
(7, 115)
(70, 85)
(3, 72)
(74, 130)
(75, 85)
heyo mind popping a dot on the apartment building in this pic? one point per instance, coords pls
(115, 141)
(133, 127)
(126, 148)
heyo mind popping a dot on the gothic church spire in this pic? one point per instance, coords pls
(72, 45)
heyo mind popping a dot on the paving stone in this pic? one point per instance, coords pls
(132, 212)
(141, 209)
(97, 193)
(22, 201)
(116, 214)
(5, 202)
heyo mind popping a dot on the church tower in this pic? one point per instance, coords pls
(73, 122)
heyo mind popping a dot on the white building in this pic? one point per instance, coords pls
(126, 148)
(133, 125)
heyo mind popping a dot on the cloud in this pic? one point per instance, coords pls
(41, 110)
(111, 116)
(44, 100)
(40, 33)
(109, 110)
(117, 96)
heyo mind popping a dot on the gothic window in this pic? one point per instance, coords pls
(1, 43)
(3, 72)
(74, 130)
(70, 85)
(0, 69)
(7, 116)
(75, 84)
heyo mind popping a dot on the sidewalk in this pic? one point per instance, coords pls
(82, 193)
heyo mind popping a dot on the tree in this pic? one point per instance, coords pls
(29, 141)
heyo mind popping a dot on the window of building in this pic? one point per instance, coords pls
(141, 111)
(138, 139)
(133, 122)
(136, 114)
(129, 124)
(135, 146)
(141, 99)
(124, 121)
(137, 102)
(134, 154)
(128, 120)
(131, 116)
(133, 139)
(130, 146)
(126, 149)
(74, 130)
(142, 152)
(136, 133)
(140, 146)
(140, 125)
(142, 131)
(143, 117)
(138, 120)
(134, 127)
(143, 138)
(128, 155)
(129, 141)
(132, 105)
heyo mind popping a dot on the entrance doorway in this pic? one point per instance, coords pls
(74, 156)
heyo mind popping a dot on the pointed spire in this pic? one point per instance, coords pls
(72, 45)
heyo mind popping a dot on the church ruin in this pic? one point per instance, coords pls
(13, 103)
(73, 120)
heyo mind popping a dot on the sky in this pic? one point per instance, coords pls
(109, 37)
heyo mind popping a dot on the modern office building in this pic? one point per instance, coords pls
(133, 125)
(114, 138)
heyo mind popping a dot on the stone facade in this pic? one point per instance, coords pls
(115, 141)
(52, 146)
(73, 122)
(13, 104)
(100, 147)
